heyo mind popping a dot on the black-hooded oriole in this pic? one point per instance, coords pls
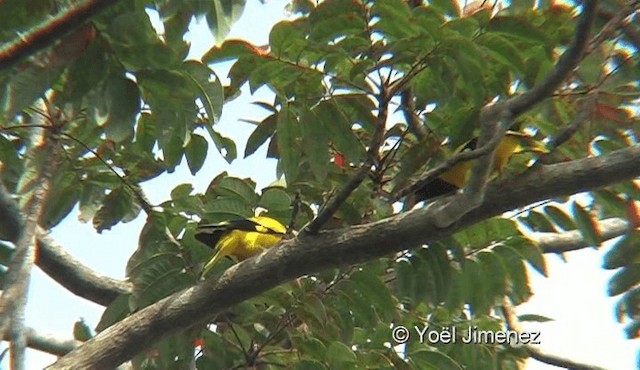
(240, 238)
(456, 178)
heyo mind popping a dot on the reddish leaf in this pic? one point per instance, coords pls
(338, 158)
(633, 214)
(611, 113)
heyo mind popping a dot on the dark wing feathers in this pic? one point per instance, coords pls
(210, 234)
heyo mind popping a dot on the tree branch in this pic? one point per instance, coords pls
(376, 141)
(49, 343)
(572, 240)
(414, 122)
(614, 24)
(50, 31)
(495, 119)
(309, 254)
(513, 107)
(567, 62)
(57, 263)
(34, 188)
(627, 27)
(76, 277)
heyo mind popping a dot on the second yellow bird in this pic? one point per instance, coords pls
(456, 178)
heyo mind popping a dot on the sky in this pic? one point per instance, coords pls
(584, 329)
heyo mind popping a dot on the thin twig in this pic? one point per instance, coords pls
(414, 122)
(614, 24)
(627, 27)
(443, 167)
(566, 132)
(376, 141)
(144, 203)
(566, 63)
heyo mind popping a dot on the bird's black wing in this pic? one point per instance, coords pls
(210, 234)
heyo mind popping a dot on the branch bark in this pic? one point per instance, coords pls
(34, 188)
(57, 263)
(49, 32)
(49, 343)
(313, 253)
(572, 240)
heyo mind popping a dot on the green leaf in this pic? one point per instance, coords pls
(497, 280)
(209, 88)
(518, 29)
(370, 286)
(315, 144)
(309, 365)
(487, 232)
(62, 199)
(560, 218)
(447, 7)
(225, 209)
(338, 353)
(157, 268)
(623, 252)
(6, 251)
(394, 19)
(430, 359)
(90, 200)
(310, 347)
(534, 318)
(275, 199)
(260, 134)
(233, 187)
(528, 250)
(181, 191)
(116, 311)
(476, 287)
(337, 18)
(586, 224)
(437, 257)
(520, 290)
(196, 152)
(122, 100)
(502, 50)
(288, 134)
(624, 279)
(225, 146)
(81, 331)
(114, 208)
(315, 307)
(24, 87)
(537, 221)
(222, 15)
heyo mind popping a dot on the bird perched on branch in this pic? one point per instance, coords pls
(242, 238)
(457, 176)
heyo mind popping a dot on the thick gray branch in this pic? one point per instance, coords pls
(572, 240)
(57, 263)
(567, 62)
(76, 277)
(313, 253)
(49, 343)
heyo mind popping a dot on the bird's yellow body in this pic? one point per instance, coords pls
(457, 177)
(242, 238)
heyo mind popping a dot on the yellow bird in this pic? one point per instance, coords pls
(455, 178)
(240, 238)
